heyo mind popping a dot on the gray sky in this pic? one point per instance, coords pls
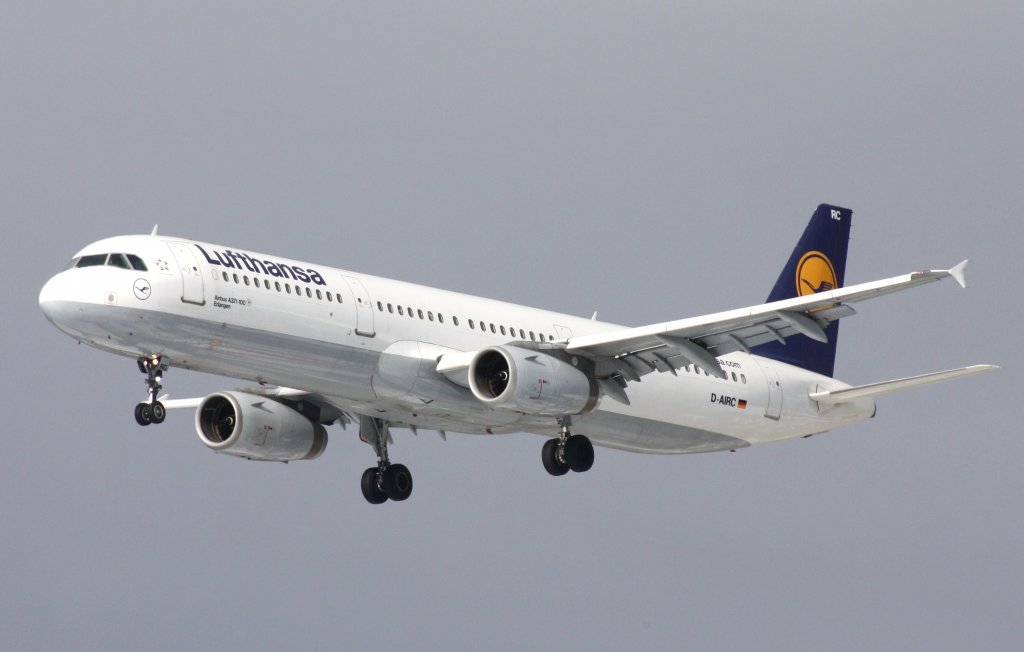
(649, 162)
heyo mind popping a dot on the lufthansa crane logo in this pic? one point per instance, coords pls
(142, 289)
(814, 273)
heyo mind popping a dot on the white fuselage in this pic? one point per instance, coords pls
(370, 345)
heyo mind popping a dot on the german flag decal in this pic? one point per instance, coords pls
(729, 401)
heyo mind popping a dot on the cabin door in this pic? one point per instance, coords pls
(191, 277)
(364, 308)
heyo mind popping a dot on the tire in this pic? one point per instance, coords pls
(397, 482)
(371, 493)
(579, 453)
(158, 412)
(143, 414)
(551, 463)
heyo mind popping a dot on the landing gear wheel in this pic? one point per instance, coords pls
(143, 414)
(579, 453)
(371, 492)
(549, 455)
(158, 412)
(397, 482)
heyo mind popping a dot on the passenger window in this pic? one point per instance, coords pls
(492, 329)
(430, 316)
(440, 318)
(92, 261)
(235, 277)
(420, 313)
(522, 334)
(330, 297)
(455, 320)
(743, 378)
(318, 295)
(226, 279)
(471, 325)
(532, 338)
(287, 288)
(391, 309)
(400, 311)
(137, 263)
(734, 378)
(410, 313)
(309, 293)
(246, 279)
(502, 330)
(380, 306)
(277, 284)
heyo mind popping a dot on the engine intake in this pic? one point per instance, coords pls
(257, 428)
(530, 382)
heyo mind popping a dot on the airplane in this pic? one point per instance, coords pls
(327, 346)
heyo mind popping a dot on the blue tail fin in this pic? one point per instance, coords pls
(817, 264)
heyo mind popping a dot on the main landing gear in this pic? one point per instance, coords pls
(151, 411)
(567, 452)
(386, 480)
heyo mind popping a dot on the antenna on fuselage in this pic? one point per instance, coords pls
(155, 227)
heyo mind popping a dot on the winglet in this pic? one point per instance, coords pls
(959, 273)
(155, 228)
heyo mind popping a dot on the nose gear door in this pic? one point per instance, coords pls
(191, 276)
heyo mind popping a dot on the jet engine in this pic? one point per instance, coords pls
(257, 428)
(530, 382)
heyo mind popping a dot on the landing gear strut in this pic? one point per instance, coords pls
(386, 480)
(151, 411)
(567, 452)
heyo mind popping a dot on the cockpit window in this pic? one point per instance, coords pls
(124, 261)
(118, 260)
(92, 261)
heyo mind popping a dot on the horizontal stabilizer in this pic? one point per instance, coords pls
(887, 386)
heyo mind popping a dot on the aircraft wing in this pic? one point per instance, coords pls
(327, 411)
(630, 353)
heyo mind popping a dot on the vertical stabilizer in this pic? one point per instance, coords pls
(818, 264)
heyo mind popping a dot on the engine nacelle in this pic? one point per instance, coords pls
(257, 428)
(530, 382)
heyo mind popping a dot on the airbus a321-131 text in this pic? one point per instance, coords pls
(325, 346)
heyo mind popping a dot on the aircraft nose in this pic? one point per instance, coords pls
(51, 294)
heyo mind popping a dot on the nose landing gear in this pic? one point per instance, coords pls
(151, 411)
